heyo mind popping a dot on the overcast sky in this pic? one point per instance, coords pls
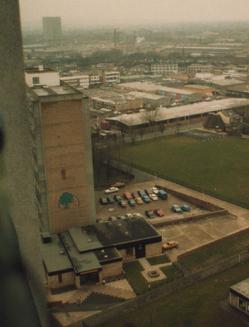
(132, 12)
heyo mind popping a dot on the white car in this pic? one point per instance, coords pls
(155, 190)
(153, 197)
(111, 190)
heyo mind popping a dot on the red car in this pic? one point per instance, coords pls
(127, 195)
(159, 212)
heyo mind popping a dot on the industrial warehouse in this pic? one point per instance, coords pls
(182, 114)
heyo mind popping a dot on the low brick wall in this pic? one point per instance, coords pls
(159, 222)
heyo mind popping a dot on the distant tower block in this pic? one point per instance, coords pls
(63, 158)
(116, 37)
(52, 30)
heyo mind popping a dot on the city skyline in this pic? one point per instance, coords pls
(86, 13)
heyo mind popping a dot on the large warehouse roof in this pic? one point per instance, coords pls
(163, 114)
(152, 87)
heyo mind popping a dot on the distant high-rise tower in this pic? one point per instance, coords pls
(52, 30)
(116, 37)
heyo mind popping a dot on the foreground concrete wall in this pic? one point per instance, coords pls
(18, 183)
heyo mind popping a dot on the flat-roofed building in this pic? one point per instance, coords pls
(77, 81)
(40, 76)
(164, 69)
(111, 77)
(97, 252)
(174, 115)
(239, 296)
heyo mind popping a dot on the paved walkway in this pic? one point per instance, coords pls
(148, 267)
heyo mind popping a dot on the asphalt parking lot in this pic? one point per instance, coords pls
(188, 235)
(105, 211)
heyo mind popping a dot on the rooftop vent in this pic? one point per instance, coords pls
(46, 237)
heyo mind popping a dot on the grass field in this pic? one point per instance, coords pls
(219, 167)
(196, 306)
(138, 282)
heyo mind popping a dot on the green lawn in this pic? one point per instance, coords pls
(195, 306)
(133, 274)
(219, 167)
(172, 273)
(158, 260)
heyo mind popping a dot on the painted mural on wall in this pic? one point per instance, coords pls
(68, 200)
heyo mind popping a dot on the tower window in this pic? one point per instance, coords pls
(63, 173)
(36, 80)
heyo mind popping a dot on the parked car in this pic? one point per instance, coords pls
(150, 214)
(169, 245)
(135, 195)
(155, 189)
(118, 184)
(117, 198)
(110, 199)
(127, 195)
(153, 196)
(103, 201)
(137, 215)
(146, 199)
(121, 217)
(123, 203)
(159, 212)
(163, 195)
(112, 218)
(129, 215)
(139, 200)
(185, 207)
(132, 202)
(176, 208)
(111, 190)
(141, 193)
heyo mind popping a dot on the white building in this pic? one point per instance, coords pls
(199, 68)
(111, 77)
(81, 81)
(95, 79)
(38, 76)
(164, 69)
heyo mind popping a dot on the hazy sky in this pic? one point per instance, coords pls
(132, 12)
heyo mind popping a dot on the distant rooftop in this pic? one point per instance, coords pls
(163, 114)
(45, 91)
(39, 70)
(152, 87)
